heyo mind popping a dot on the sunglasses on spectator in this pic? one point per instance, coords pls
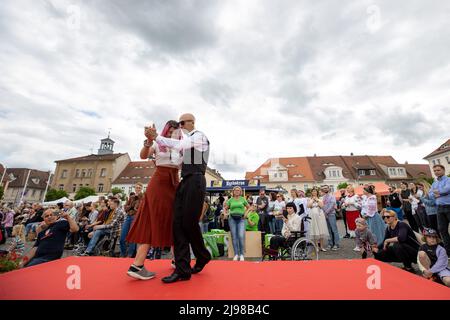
(385, 217)
(184, 121)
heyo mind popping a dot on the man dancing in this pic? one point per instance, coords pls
(188, 199)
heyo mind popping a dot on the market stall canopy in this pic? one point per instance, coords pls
(55, 202)
(381, 189)
(87, 199)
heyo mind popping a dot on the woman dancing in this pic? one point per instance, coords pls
(152, 226)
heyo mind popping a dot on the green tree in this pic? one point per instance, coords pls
(54, 194)
(116, 190)
(2, 191)
(84, 192)
(342, 185)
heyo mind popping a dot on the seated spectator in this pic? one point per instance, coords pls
(51, 238)
(365, 240)
(433, 257)
(35, 218)
(399, 244)
(291, 222)
(252, 219)
(111, 226)
(16, 246)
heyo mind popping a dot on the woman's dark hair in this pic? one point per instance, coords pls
(370, 189)
(273, 196)
(291, 205)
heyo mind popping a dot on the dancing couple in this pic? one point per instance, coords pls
(170, 211)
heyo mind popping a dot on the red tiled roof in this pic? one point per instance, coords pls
(37, 180)
(298, 169)
(94, 157)
(418, 171)
(442, 148)
(136, 171)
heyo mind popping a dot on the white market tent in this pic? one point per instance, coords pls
(87, 199)
(54, 202)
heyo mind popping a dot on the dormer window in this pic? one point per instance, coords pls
(290, 165)
(297, 176)
(362, 172)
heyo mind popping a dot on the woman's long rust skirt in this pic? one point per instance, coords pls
(153, 222)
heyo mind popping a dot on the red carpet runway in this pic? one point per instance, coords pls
(105, 278)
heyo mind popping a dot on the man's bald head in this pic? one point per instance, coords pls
(187, 122)
(187, 116)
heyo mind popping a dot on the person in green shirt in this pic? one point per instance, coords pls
(252, 219)
(235, 210)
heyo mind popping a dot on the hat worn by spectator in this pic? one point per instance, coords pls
(429, 232)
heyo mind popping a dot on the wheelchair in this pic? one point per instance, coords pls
(106, 246)
(298, 248)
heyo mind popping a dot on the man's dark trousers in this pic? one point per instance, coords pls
(188, 205)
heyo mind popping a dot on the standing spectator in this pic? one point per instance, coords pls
(110, 226)
(131, 208)
(279, 207)
(352, 205)
(399, 242)
(318, 229)
(406, 206)
(252, 219)
(329, 208)
(414, 199)
(204, 217)
(343, 211)
(394, 202)
(300, 203)
(270, 218)
(8, 221)
(440, 190)
(430, 207)
(365, 240)
(236, 208)
(369, 211)
(262, 203)
(51, 238)
(433, 257)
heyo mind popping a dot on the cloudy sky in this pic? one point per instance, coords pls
(264, 78)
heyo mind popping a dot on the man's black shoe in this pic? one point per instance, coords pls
(174, 277)
(199, 267)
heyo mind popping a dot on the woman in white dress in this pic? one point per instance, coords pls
(318, 230)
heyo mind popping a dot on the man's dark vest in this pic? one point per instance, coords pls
(194, 161)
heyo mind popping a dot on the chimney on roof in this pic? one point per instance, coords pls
(406, 162)
(351, 154)
(315, 155)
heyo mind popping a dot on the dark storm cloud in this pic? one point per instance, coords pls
(169, 27)
(216, 93)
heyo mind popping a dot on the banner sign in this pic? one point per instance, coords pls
(234, 183)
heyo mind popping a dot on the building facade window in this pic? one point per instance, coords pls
(77, 173)
(83, 173)
(438, 161)
(305, 187)
(401, 172)
(372, 172)
(74, 188)
(33, 193)
(64, 174)
(100, 187)
(61, 187)
(103, 172)
(448, 159)
(89, 173)
(362, 172)
(392, 172)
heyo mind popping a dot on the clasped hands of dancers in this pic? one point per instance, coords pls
(171, 209)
